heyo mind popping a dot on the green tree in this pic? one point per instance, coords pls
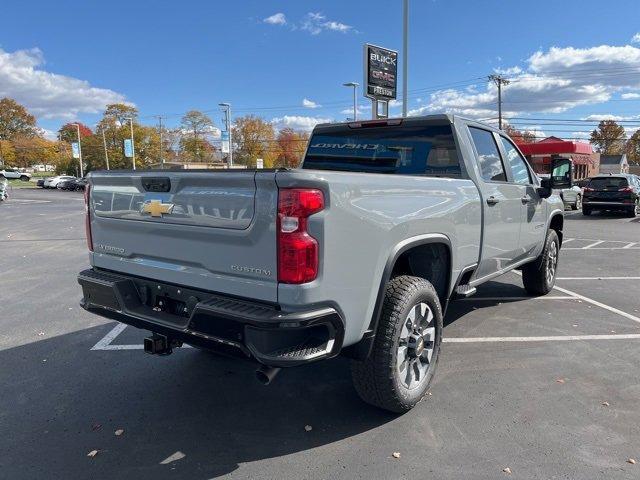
(254, 138)
(193, 144)
(609, 138)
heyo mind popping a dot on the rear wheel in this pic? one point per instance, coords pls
(539, 276)
(24, 178)
(586, 210)
(635, 210)
(405, 353)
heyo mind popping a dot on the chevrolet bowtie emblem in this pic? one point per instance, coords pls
(156, 208)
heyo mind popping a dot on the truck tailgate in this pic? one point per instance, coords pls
(203, 229)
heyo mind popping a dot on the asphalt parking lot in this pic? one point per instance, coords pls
(548, 387)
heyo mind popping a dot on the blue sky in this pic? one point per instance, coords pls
(568, 59)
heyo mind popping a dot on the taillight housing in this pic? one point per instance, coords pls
(297, 250)
(87, 216)
(625, 189)
(588, 189)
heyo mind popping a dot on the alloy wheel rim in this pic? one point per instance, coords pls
(416, 346)
(552, 262)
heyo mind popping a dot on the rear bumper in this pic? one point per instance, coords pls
(220, 323)
(626, 203)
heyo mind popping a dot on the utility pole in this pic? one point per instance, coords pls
(80, 150)
(355, 98)
(161, 146)
(133, 147)
(499, 80)
(405, 56)
(227, 121)
(106, 154)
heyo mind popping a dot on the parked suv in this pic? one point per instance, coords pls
(12, 173)
(612, 192)
(357, 253)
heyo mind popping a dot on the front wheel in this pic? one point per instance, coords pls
(406, 348)
(539, 276)
(24, 178)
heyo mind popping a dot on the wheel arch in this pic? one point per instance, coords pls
(407, 258)
(556, 222)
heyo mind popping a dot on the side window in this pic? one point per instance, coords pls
(516, 163)
(491, 167)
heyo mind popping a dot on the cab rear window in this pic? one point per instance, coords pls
(600, 183)
(421, 150)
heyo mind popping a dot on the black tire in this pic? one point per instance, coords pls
(586, 211)
(24, 178)
(378, 379)
(539, 276)
(633, 211)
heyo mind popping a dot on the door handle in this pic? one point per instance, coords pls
(492, 200)
(526, 199)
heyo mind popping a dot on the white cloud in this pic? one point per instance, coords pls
(310, 103)
(607, 116)
(553, 81)
(276, 19)
(49, 134)
(360, 109)
(298, 122)
(46, 94)
(315, 23)
(630, 96)
(636, 38)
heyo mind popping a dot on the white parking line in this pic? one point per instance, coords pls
(506, 299)
(567, 240)
(557, 338)
(631, 244)
(598, 278)
(594, 244)
(105, 343)
(601, 248)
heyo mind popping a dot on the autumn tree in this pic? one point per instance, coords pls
(291, 147)
(31, 150)
(609, 138)
(69, 132)
(519, 136)
(16, 121)
(633, 148)
(254, 138)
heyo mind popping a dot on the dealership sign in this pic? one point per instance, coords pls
(381, 72)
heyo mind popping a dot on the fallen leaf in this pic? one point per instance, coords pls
(632, 461)
(119, 432)
(96, 426)
(40, 334)
(605, 404)
(395, 454)
(92, 453)
(429, 393)
(560, 380)
(507, 470)
(613, 331)
(308, 428)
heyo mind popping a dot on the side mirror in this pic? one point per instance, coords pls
(561, 173)
(545, 188)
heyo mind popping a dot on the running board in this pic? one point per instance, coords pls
(465, 290)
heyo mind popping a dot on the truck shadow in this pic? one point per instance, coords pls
(60, 401)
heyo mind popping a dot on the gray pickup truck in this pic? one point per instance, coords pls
(357, 252)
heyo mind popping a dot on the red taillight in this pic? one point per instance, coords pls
(297, 250)
(587, 189)
(87, 217)
(625, 189)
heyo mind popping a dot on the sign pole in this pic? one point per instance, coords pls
(133, 148)
(80, 151)
(405, 55)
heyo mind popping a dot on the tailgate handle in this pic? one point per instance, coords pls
(156, 184)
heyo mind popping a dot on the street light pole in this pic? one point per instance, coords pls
(80, 150)
(355, 98)
(133, 147)
(106, 154)
(405, 55)
(227, 116)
